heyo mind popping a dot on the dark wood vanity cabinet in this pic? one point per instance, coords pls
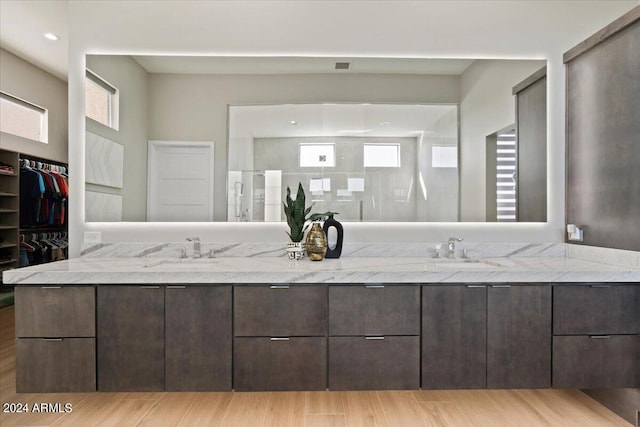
(130, 326)
(280, 363)
(155, 338)
(597, 308)
(280, 337)
(596, 361)
(374, 341)
(477, 336)
(374, 363)
(454, 337)
(197, 338)
(374, 309)
(518, 336)
(280, 310)
(596, 341)
(55, 339)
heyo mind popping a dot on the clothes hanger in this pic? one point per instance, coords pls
(25, 245)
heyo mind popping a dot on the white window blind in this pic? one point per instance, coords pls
(22, 118)
(101, 101)
(506, 177)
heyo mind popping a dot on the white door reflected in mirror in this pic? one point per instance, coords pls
(180, 181)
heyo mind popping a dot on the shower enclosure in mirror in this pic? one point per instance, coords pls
(386, 140)
(369, 162)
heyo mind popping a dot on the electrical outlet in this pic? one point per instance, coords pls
(92, 237)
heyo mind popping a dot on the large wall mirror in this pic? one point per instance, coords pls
(376, 139)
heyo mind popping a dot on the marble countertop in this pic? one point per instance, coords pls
(560, 269)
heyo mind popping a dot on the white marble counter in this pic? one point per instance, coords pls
(141, 270)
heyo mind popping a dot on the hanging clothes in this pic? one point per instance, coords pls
(44, 192)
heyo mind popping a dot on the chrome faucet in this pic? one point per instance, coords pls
(451, 246)
(196, 246)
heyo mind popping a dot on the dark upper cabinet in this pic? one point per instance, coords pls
(602, 128)
(130, 338)
(197, 338)
(454, 336)
(596, 361)
(374, 363)
(519, 336)
(55, 311)
(596, 309)
(531, 135)
(374, 310)
(280, 310)
(297, 363)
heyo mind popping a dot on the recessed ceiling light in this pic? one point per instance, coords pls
(51, 36)
(385, 123)
(293, 123)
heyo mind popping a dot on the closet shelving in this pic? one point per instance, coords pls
(9, 214)
(10, 227)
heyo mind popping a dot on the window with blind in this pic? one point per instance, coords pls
(22, 118)
(101, 100)
(506, 176)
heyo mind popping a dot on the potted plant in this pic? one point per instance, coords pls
(297, 219)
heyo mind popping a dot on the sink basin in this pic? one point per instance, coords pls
(469, 265)
(182, 264)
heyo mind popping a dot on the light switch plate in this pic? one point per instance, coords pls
(92, 236)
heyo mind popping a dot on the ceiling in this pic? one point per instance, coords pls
(361, 120)
(22, 25)
(299, 65)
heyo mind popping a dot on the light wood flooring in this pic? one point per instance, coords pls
(464, 408)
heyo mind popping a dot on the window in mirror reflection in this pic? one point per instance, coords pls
(381, 155)
(101, 100)
(317, 155)
(369, 162)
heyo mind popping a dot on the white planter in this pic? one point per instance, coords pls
(296, 250)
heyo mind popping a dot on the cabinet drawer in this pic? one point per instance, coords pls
(374, 310)
(358, 363)
(596, 361)
(280, 310)
(596, 309)
(55, 365)
(280, 363)
(55, 311)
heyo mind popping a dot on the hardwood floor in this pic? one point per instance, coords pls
(453, 408)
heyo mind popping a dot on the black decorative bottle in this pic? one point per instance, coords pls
(333, 252)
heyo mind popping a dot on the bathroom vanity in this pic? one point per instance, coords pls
(150, 324)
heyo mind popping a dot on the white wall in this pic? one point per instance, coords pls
(486, 106)
(26, 81)
(468, 29)
(132, 82)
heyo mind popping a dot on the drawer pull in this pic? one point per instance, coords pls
(52, 339)
(599, 337)
(374, 338)
(279, 339)
(500, 286)
(476, 286)
(176, 287)
(374, 286)
(279, 286)
(149, 287)
(599, 286)
(51, 287)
